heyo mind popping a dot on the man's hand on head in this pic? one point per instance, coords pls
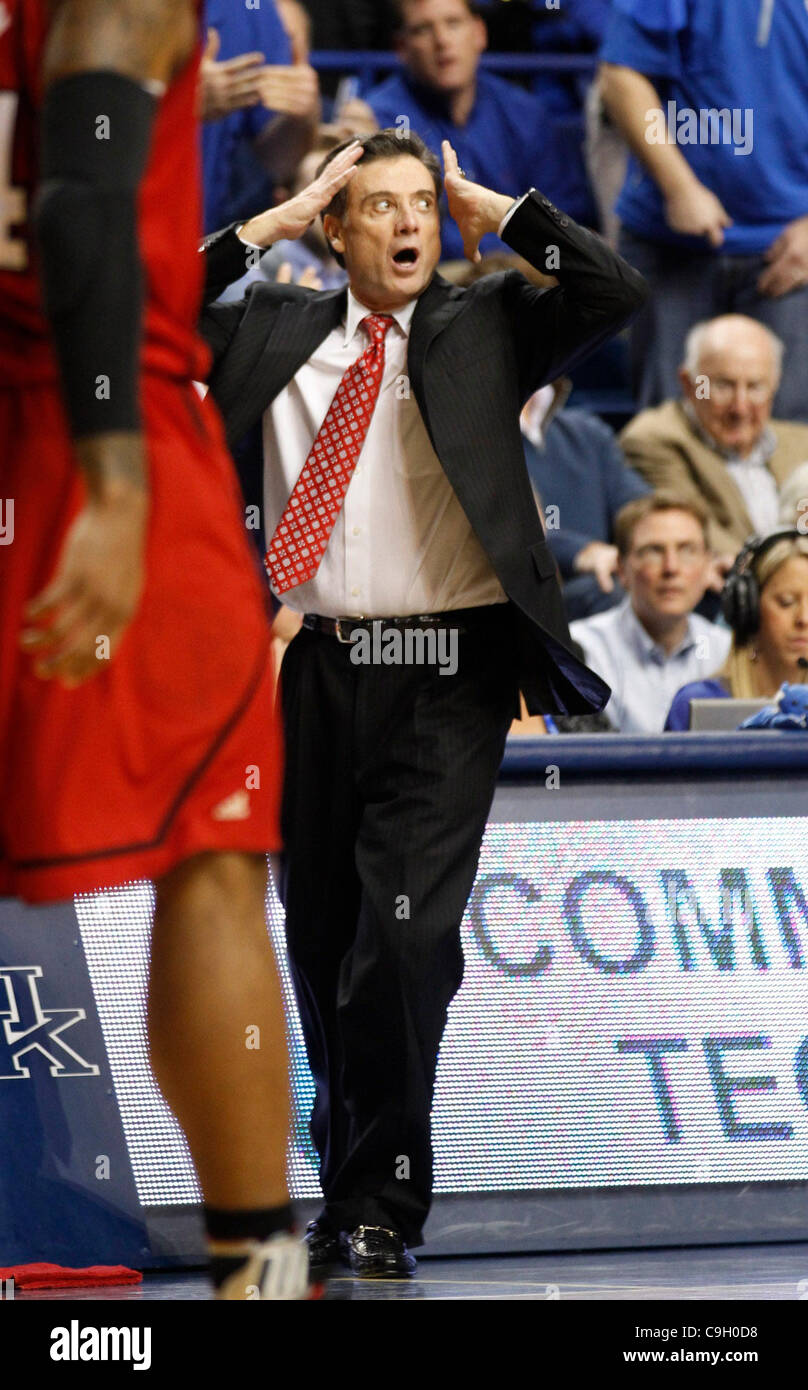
(476, 210)
(290, 219)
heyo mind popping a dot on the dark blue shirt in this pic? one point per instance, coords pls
(235, 182)
(582, 472)
(504, 145)
(748, 57)
(678, 720)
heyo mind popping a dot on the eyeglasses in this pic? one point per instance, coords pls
(722, 391)
(688, 553)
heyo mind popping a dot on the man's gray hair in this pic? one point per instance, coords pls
(694, 346)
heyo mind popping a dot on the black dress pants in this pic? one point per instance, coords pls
(390, 773)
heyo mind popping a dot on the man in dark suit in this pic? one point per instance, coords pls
(418, 517)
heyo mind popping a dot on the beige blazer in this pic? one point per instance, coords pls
(663, 446)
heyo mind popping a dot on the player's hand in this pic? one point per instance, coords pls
(229, 86)
(290, 219)
(599, 559)
(95, 589)
(693, 210)
(475, 209)
(291, 90)
(787, 261)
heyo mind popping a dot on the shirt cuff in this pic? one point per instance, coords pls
(252, 244)
(511, 210)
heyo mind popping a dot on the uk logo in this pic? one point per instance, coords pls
(28, 1027)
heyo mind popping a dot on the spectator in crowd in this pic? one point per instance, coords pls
(305, 261)
(582, 480)
(498, 129)
(770, 627)
(653, 643)
(260, 103)
(719, 445)
(574, 27)
(711, 98)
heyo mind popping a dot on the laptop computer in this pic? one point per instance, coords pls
(720, 716)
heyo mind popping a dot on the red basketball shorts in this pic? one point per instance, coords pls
(174, 748)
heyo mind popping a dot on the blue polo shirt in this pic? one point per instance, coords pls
(743, 56)
(235, 182)
(504, 145)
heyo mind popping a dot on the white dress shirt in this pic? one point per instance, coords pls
(643, 676)
(402, 543)
(758, 487)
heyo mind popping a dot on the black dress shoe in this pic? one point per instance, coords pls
(374, 1252)
(323, 1245)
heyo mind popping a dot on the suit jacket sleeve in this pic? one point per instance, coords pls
(225, 262)
(597, 294)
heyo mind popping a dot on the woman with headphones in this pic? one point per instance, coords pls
(765, 602)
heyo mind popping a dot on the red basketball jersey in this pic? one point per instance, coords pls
(170, 214)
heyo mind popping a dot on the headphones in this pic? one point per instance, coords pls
(740, 597)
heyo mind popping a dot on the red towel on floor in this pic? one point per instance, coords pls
(57, 1277)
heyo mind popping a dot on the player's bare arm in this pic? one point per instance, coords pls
(102, 56)
(147, 40)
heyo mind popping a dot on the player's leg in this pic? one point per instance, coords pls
(218, 1050)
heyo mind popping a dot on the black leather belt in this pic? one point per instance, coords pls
(341, 628)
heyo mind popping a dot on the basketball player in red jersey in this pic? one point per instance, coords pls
(137, 736)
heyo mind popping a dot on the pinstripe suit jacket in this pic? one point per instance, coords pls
(474, 357)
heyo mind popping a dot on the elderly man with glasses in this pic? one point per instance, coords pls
(719, 445)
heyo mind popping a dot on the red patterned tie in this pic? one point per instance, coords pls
(302, 534)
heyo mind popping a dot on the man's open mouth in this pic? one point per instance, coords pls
(407, 256)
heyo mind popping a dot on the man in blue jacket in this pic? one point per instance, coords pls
(582, 480)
